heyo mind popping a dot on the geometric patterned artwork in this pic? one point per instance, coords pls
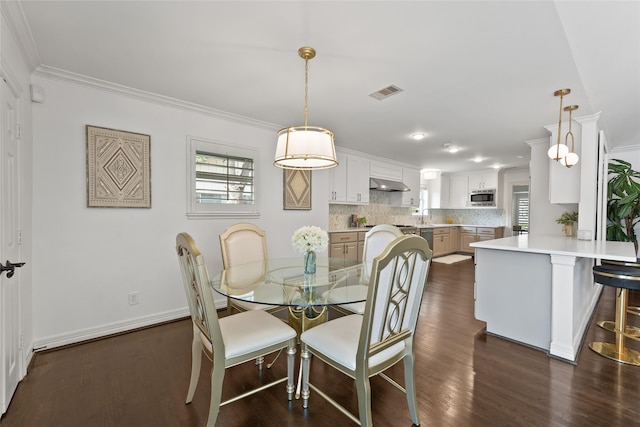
(118, 169)
(297, 189)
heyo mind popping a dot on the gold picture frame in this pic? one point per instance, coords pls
(118, 168)
(297, 189)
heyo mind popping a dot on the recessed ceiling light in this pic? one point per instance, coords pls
(418, 136)
(478, 159)
(496, 166)
(447, 146)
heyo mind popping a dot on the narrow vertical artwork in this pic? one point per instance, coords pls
(118, 169)
(297, 189)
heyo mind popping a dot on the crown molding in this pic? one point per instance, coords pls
(82, 80)
(14, 16)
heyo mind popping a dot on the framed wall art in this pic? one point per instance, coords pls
(118, 168)
(297, 189)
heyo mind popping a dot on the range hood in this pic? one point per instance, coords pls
(380, 184)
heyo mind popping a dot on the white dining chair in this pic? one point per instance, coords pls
(375, 241)
(361, 346)
(244, 243)
(231, 340)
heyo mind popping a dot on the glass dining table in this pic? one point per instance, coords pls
(282, 282)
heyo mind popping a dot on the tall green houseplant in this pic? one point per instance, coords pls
(623, 202)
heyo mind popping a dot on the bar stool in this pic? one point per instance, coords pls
(624, 278)
(630, 309)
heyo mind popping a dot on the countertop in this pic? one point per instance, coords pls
(561, 245)
(348, 229)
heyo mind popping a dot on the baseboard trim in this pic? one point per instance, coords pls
(89, 334)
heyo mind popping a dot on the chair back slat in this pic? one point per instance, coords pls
(196, 285)
(395, 294)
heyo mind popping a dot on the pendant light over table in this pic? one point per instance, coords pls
(305, 147)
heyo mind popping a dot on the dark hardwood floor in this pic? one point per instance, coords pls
(464, 377)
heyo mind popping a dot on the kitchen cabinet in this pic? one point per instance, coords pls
(458, 191)
(437, 191)
(470, 235)
(357, 180)
(454, 239)
(343, 245)
(411, 198)
(349, 181)
(338, 180)
(483, 181)
(441, 241)
(385, 171)
(564, 182)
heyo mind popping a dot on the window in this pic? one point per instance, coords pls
(222, 180)
(520, 211)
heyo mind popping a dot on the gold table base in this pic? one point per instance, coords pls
(304, 318)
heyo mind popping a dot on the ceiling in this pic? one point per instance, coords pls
(478, 75)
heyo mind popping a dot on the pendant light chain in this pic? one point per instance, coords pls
(559, 128)
(306, 89)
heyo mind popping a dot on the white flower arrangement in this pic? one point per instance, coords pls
(310, 238)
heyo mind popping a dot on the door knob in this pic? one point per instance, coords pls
(10, 268)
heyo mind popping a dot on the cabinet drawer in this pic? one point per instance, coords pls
(468, 230)
(442, 230)
(486, 231)
(343, 237)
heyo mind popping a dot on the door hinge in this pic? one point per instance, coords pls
(20, 237)
(19, 130)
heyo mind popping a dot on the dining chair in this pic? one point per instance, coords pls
(231, 340)
(244, 243)
(361, 346)
(375, 242)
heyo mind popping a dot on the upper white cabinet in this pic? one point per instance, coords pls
(338, 181)
(411, 198)
(357, 180)
(483, 181)
(386, 171)
(458, 191)
(437, 191)
(349, 181)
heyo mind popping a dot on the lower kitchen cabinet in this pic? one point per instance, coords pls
(441, 241)
(470, 235)
(454, 239)
(346, 244)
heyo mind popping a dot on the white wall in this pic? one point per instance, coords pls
(86, 260)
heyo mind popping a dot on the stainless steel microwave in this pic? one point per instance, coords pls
(482, 198)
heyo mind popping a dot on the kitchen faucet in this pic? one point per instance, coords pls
(422, 215)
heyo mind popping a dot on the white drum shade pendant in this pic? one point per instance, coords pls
(305, 147)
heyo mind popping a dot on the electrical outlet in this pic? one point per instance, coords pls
(133, 298)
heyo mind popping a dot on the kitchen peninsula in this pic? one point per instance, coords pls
(539, 290)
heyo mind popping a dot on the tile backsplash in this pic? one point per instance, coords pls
(381, 210)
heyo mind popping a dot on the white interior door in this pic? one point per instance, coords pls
(10, 307)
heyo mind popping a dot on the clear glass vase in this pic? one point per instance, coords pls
(309, 262)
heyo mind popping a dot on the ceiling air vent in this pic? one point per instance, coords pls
(386, 92)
